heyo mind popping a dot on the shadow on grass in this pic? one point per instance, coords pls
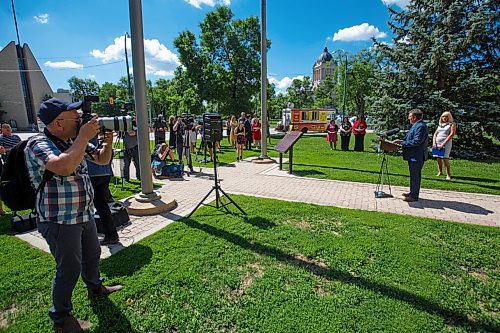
(418, 302)
(468, 180)
(259, 222)
(474, 179)
(111, 319)
(453, 205)
(127, 261)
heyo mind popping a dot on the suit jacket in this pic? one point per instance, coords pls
(415, 142)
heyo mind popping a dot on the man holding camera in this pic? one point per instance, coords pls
(415, 152)
(65, 204)
(181, 129)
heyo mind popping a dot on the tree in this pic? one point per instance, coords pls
(300, 93)
(325, 94)
(445, 58)
(82, 87)
(360, 74)
(224, 65)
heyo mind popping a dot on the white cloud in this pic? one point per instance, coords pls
(400, 3)
(163, 73)
(63, 64)
(284, 83)
(91, 76)
(159, 60)
(363, 31)
(211, 3)
(42, 18)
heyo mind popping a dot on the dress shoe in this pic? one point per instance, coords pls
(71, 324)
(409, 199)
(103, 291)
(406, 195)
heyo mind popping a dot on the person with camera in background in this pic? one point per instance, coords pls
(160, 127)
(100, 177)
(131, 153)
(65, 204)
(182, 129)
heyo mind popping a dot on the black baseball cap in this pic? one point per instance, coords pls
(51, 108)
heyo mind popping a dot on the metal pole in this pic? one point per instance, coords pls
(135, 8)
(129, 88)
(15, 23)
(345, 84)
(263, 81)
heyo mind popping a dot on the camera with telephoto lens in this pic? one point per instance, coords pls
(121, 123)
(188, 121)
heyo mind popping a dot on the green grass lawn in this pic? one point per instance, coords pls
(313, 158)
(287, 267)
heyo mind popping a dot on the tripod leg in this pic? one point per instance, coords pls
(387, 175)
(380, 181)
(201, 202)
(217, 197)
(232, 201)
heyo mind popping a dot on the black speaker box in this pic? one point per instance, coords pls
(212, 127)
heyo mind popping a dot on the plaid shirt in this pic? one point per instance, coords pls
(64, 199)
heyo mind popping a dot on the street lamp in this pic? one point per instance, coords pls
(345, 79)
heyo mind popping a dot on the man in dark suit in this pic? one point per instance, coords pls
(415, 152)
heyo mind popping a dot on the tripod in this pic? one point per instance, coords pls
(383, 173)
(218, 190)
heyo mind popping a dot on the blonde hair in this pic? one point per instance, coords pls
(446, 114)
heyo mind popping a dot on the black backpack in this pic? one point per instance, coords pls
(16, 189)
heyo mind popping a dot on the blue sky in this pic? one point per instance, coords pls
(85, 38)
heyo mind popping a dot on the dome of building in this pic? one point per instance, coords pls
(324, 57)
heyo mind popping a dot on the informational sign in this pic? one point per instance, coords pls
(288, 141)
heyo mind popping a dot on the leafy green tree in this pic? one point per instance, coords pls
(300, 93)
(82, 87)
(176, 96)
(325, 93)
(360, 75)
(224, 66)
(445, 58)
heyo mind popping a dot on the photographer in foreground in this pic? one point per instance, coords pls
(65, 217)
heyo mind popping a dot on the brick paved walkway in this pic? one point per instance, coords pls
(265, 180)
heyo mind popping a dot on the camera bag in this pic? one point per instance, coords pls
(23, 223)
(171, 170)
(119, 215)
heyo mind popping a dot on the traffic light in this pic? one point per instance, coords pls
(111, 100)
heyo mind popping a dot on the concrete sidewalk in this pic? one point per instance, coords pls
(266, 180)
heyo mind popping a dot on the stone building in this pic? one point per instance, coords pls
(322, 68)
(23, 86)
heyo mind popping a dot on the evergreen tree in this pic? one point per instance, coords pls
(445, 58)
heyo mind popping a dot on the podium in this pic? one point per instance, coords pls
(384, 147)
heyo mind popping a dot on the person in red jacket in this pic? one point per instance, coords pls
(256, 133)
(359, 130)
